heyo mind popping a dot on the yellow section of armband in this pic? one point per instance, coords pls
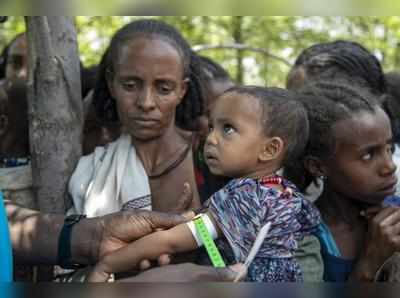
(208, 242)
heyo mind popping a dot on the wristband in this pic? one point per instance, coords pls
(64, 257)
(207, 240)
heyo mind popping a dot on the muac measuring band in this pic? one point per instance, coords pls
(208, 242)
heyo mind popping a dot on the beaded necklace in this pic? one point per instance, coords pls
(277, 180)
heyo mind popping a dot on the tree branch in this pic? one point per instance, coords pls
(241, 47)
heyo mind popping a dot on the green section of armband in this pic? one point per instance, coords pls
(209, 243)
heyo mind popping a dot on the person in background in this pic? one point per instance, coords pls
(14, 59)
(350, 150)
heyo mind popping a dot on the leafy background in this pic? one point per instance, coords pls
(282, 36)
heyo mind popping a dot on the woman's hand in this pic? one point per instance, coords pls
(383, 239)
(120, 229)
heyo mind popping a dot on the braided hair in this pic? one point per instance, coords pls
(326, 104)
(192, 104)
(339, 60)
(346, 60)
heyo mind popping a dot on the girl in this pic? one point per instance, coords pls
(346, 61)
(254, 131)
(350, 150)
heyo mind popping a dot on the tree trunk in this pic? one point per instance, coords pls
(55, 108)
(238, 38)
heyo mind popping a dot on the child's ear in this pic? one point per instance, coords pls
(315, 166)
(272, 149)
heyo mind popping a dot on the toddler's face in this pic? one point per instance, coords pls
(236, 136)
(362, 168)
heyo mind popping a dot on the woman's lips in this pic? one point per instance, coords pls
(145, 122)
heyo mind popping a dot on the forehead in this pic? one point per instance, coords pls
(237, 106)
(364, 128)
(148, 53)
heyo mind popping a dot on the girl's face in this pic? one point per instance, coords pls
(361, 167)
(236, 136)
(148, 83)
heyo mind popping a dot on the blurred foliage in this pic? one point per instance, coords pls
(283, 36)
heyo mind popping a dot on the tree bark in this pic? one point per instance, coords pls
(55, 108)
(238, 38)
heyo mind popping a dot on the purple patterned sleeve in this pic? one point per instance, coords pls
(244, 206)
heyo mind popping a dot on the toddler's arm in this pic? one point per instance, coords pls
(172, 241)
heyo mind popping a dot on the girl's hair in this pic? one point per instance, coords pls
(326, 104)
(345, 60)
(282, 116)
(190, 107)
(340, 60)
(4, 55)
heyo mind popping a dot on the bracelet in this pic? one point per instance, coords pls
(64, 255)
(209, 244)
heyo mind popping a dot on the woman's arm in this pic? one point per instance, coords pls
(34, 235)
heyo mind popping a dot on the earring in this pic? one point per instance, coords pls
(322, 177)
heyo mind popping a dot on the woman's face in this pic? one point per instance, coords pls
(148, 83)
(362, 167)
(17, 59)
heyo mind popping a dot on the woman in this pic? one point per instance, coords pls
(149, 81)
